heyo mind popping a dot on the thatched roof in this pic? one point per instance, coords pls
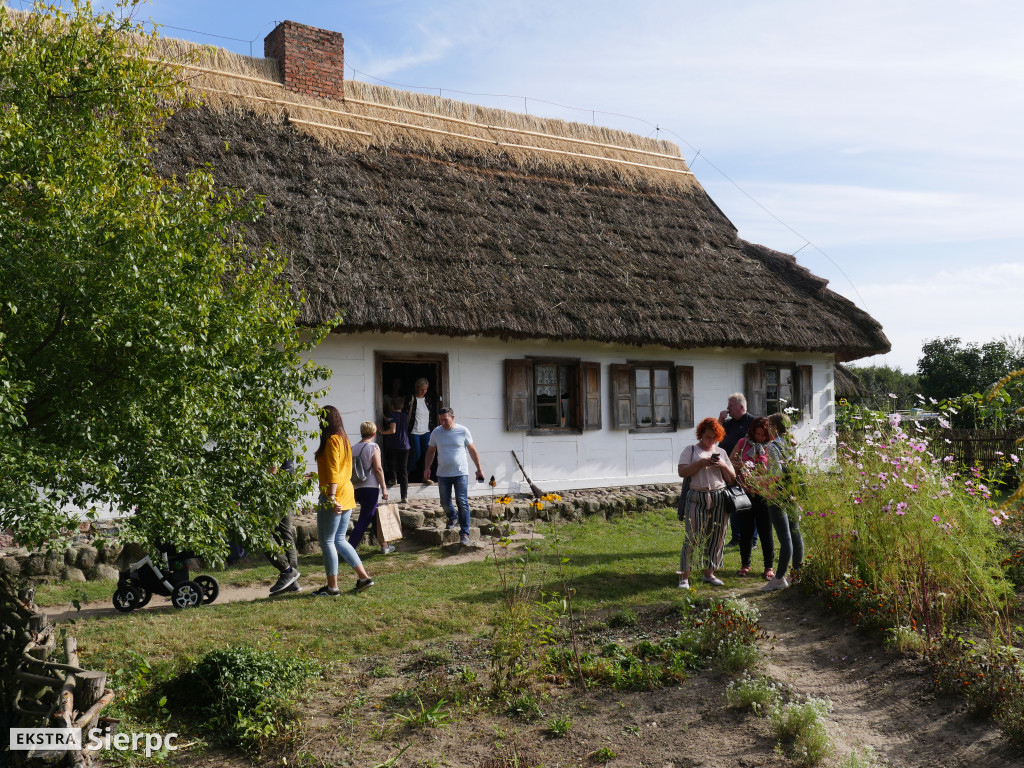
(419, 230)
(847, 383)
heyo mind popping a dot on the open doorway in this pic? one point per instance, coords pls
(397, 374)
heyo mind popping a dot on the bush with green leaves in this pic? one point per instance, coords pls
(242, 696)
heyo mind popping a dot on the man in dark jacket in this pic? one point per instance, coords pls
(422, 420)
(736, 421)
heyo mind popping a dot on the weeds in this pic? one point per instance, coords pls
(863, 758)
(757, 694)
(801, 727)
(603, 755)
(427, 717)
(559, 726)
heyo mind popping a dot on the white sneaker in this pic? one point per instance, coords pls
(684, 583)
(774, 584)
(387, 549)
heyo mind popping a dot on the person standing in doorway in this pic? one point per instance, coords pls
(736, 422)
(453, 445)
(396, 448)
(422, 419)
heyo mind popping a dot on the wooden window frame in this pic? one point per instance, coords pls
(622, 377)
(521, 395)
(756, 386)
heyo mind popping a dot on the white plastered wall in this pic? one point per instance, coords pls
(594, 459)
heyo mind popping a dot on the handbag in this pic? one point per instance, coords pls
(359, 473)
(736, 499)
(681, 507)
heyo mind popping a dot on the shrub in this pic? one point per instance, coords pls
(801, 726)
(241, 696)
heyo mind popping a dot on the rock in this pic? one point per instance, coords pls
(10, 566)
(437, 537)
(87, 558)
(53, 562)
(34, 565)
(70, 556)
(70, 573)
(411, 518)
(103, 572)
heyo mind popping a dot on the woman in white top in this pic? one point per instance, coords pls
(369, 491)
(707, 520)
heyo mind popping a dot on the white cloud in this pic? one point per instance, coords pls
(976, 303)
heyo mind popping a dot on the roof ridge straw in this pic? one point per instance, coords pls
(231, 82)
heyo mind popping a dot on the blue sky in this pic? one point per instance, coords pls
(887, 134)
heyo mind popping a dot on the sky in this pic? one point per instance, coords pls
(879, 141)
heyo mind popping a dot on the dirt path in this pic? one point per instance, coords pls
(231, 593)
(879, 700)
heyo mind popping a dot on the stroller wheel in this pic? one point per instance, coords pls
(188, 594)
(143, 594)
(126, 599)
(209, 586)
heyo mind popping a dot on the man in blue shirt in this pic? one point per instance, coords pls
(453, 445)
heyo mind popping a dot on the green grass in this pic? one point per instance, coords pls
(625, 563)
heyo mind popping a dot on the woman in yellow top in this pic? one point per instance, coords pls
(337, 501)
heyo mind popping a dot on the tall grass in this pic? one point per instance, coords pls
(902, 536)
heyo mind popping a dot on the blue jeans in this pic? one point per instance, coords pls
(331, 528)
(460, 483)
(418, 445)
(791, 543)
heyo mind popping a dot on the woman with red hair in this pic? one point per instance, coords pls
(707, 518)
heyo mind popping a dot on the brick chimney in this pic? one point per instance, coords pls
(312, 60)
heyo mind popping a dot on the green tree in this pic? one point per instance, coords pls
(879, 382)
(150, 360)
(949, 368)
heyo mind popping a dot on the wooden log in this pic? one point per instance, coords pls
(89, 688)
(85, 719)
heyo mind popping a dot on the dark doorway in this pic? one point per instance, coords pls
(398, 372)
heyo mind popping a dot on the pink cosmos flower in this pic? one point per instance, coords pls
(936, 519)
(997, 520)
(901, 508)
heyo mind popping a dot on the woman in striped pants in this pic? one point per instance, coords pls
(707, 520)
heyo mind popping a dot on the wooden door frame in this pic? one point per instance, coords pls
(379, 358)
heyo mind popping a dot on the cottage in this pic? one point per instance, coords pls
(571, 291)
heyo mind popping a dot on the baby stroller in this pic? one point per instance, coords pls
(170, 578)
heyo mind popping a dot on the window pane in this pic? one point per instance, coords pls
(643, 378)
(771, 375)
(547, 415)
(663, 415)
(643, 417)
(662, 397)
(643, 397)
(772, 392)
(785, 376)
(661, 377)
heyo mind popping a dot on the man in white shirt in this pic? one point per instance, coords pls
(453, 445)
(422, 419)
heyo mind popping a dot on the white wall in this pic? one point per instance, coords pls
(596, 458)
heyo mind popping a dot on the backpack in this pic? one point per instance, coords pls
(359, 472)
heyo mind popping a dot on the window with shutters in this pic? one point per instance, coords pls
(552, 395)
(780, 388)
(652, 397)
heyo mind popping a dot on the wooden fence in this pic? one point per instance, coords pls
(981, 447)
